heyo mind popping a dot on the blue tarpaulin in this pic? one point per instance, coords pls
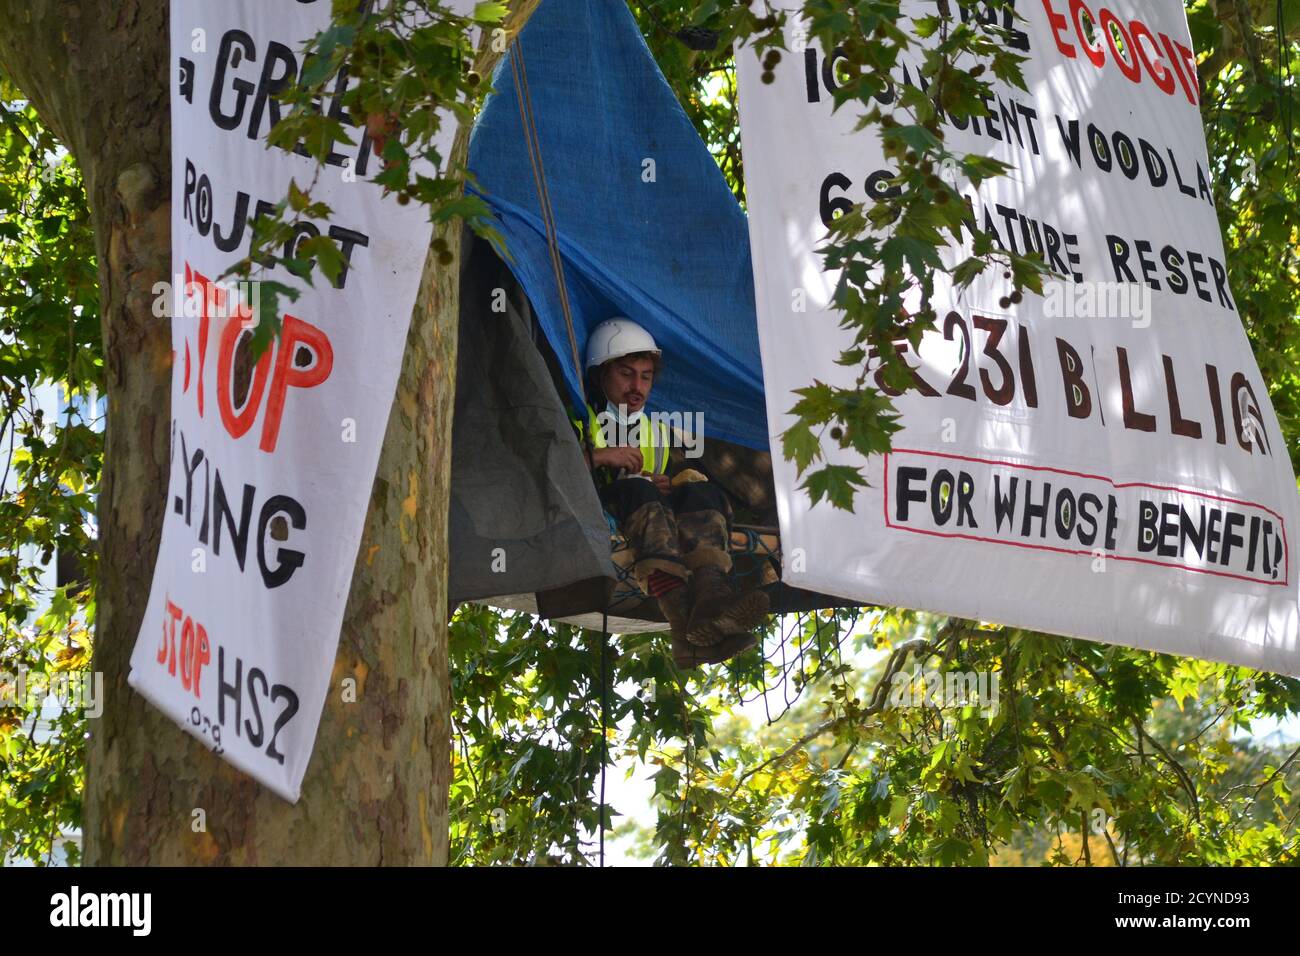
(646, 223)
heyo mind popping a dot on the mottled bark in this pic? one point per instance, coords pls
(376, 790)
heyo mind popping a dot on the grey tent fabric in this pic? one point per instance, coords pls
(524, 517)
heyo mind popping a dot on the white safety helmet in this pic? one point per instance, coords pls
(617, 337)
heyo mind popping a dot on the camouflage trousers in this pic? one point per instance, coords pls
(688, 528)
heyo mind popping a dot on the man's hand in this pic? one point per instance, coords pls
(663, 483)
(616, 458)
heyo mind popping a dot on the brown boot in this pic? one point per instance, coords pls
(676, 608)
(710, 595)
(722, 608)
(687, 655)
(745, 613)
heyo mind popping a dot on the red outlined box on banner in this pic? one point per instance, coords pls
(1124, 494)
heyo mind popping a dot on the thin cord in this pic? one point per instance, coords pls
(604, 735)
(519, 73)
(524, 96)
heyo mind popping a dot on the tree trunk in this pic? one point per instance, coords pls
(377, 787)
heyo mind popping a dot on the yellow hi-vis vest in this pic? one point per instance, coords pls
(654, 453)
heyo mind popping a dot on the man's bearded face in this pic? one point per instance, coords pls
(628, 380)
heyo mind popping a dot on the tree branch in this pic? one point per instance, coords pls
(921, 647)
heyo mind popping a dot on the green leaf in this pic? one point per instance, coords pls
(837, 484)
(489, 12)
(297, 198)
(799, 445)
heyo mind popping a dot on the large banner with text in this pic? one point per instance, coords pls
(272, 461)
(1101, 461)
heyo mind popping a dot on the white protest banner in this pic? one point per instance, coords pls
(1102, 461)
(270, 480)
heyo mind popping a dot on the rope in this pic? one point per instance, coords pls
(604, 724)
(520, 74)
